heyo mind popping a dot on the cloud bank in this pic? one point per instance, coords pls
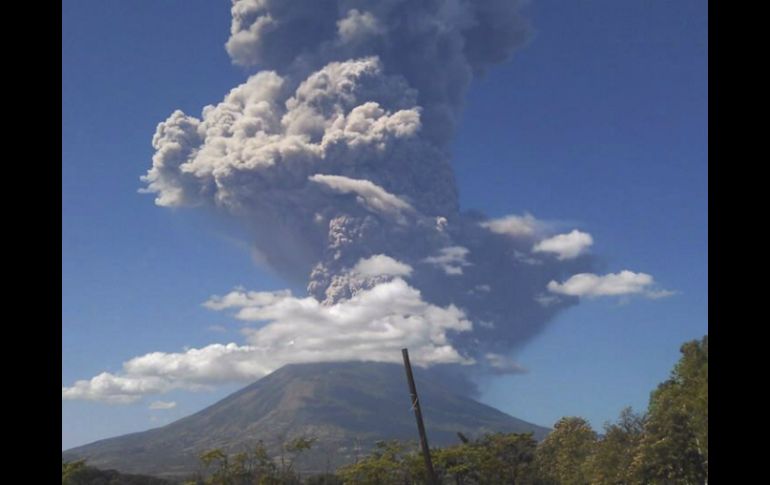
(373, 325)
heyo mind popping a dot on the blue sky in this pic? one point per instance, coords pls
(599, 121)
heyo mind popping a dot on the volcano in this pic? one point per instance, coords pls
(347, 407)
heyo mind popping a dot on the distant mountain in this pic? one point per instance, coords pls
(346, 406)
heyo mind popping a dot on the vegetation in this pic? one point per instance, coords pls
(564, 454)
(674, 445)
(666, 446)
(613, 457)
(255, 467)
(78, 473)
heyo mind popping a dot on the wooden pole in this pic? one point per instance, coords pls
(418, 415)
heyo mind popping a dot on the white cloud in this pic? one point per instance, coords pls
(526, 258)
(504, 365)
(382, 265)
(114, 389)
(240, 298)
(623, 283)
(515, 226)
(373, 325)
(159, 372)
(451, 259)
(197, 367)
(370, 195)
(162, 405)
(546, 300)
(480, 291)
(565, 246)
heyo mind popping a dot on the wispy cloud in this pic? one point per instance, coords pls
(501, 364)
(656, 294)
(450, 259)
(162, 405)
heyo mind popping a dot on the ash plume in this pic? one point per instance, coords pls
(335, 154)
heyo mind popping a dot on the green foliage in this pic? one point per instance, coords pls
(666, 446)
(78, 473)
(495, 458)
(674, 448)
(255, 467)
(295, 448)
(391, 462)
(70, 469)
(299, 445)
(563, 455)
(324, 479)
(613, 457)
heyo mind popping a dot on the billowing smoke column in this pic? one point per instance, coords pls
(337, 151)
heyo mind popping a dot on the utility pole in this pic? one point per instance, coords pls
(418, 415)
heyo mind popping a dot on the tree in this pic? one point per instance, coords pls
(254, 467)
(614, 454)
(221, 475)
(324, 479)
(674, 448)
(295, 448)
(458, 464)
(70, 470)
(563, 455)
(495, 458)
(391, 462)
(78, 473)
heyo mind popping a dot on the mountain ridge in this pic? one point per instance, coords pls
(347, 406)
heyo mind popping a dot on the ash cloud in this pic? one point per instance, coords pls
(337, 151)
(435, 45)
(335, 155)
